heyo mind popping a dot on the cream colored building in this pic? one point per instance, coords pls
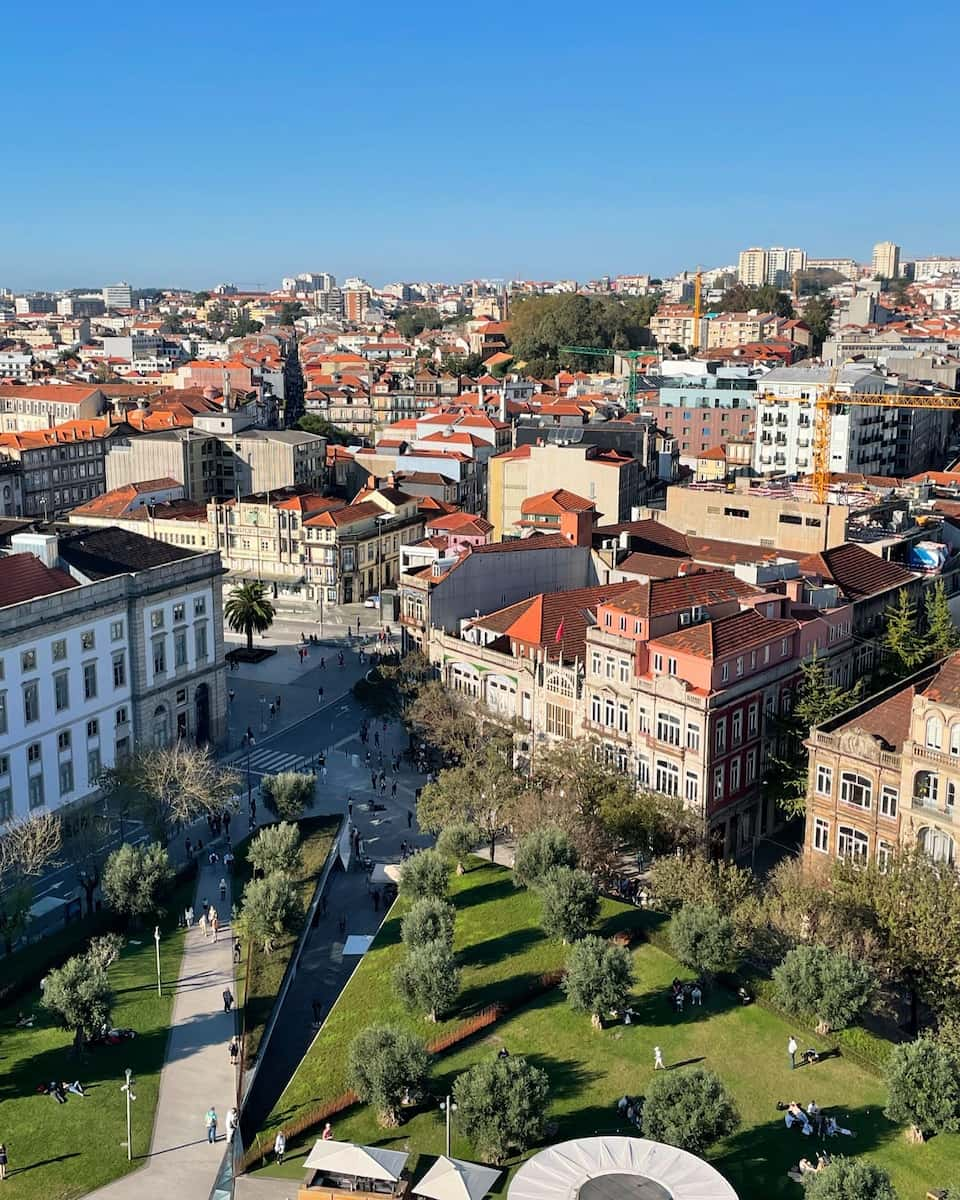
(752, 266)
(737, 329)
(674, 323)
(886, 260)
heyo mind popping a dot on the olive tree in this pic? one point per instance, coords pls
(570, 903)
(825, 984)
(385, 1065)
(539, 852)
(425, 874)
(428, 920)
(458, 842)
(598, 977)
(288, 794)
(501, 1105)
(704, 940)
(271, 909)
(427, 980)
(79, 996)
(849, 1179)
(276, 848)
(689, 1109)
(136, 880)
(923, 1088)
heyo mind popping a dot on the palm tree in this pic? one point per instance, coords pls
(249, 609)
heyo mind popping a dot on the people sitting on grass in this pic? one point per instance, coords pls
(796, 1116)
(808, 1057)
(24, 1021)
(834, 1130)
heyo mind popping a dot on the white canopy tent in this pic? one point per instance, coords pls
(363, 1162)
(455, 1179)
(565, 1171)
(384, 873)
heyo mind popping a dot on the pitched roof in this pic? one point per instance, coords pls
(889, 720)
(102, 553)
(744, 630)
(945, 685)
(547, 541)
(62, 393)
(24, 577)
(555, 502)
(460, 522)
(856, 571)
(656, 566)
(118, 501)
(538, 619)
(662, 596)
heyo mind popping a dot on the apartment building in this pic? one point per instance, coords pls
(848, 267)
(885, 775)
(25, 407)
(886, 260)
(608, 479)
(740, 328)
(862, 437)
(775, 265)
(118, 295)
(925, 269)
(108, 641)
(701, 412)
(674, 324)
(62, 466)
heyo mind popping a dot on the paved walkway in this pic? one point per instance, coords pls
(181, 1165)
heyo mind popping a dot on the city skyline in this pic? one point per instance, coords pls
(436, 149)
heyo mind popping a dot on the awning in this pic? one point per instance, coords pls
(454, 1179)
(383, 873)
(564, 1169)
(363, 1162)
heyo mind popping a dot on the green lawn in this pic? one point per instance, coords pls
(267, 970)
(60, 1151)
(589, 1071)
(502, 953)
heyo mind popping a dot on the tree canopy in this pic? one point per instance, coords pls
(275, 848)
(428, 919)
(766, 299)
(136, 879)
(501, 1105)
(690, 1109)
(704, 939)
(848, 1179)
(458, 842)
(599, 976)
(538, 853)
(818, 314)
(288, 794)
(426, 874)
(248, 609)
(79, 996)
(540, 325)
(823, 983)
(271, 908)
(384, 1065)
(311, 423)
(569, 903)
(428, 980)
(923, 1088)
(414, 319)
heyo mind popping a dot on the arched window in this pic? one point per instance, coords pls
(161, 726)
(559, 684)
(939, 845)
(934, 733)
(955, 738)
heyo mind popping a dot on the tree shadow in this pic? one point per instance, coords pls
(484, 893)
(473, 998)
(658, 1008)
(482, 954)
(756, 1160)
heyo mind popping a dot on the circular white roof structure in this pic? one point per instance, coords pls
(618, 1168)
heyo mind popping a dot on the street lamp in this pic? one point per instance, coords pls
(251, 742)
(448, 1107)
(127, 1088)
(263, 714)
(156, 938)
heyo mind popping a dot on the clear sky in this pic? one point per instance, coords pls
(174, 143)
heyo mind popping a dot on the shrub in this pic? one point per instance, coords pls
(276, 848)
(501, 1105)
(849, 1179)
(538, 853)
(923, 1083)
(599, 976)
(271, 909)
(826, 984)
(426, 874)
(427, 980)
(570, 903)
(384, 1066)
(689, 1109)
(704, 940)
(78, 994)
(428, 920)
(288, 794)
(459, 842)
(136, 878)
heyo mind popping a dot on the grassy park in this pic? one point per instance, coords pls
(499, 946)
(61, 1151)
(266, 971)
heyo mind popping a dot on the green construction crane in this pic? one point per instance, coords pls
(633, 379)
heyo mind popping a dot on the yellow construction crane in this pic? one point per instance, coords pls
(830, 399)
(697, 308)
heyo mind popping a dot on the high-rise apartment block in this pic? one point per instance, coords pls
(118, 295)
(886, 260)
(775, 265)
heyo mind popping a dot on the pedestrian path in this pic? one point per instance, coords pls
(181, 1164)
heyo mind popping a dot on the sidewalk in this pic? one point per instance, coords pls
(181, 1165)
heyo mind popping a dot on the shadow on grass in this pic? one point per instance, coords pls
(658, 1008)
(757, 1159)
(483, 954)
(484, 893)
(43, 1162)
(473, 998)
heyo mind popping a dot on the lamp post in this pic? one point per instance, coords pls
(447, 1107)
(250, 744)
(263, 714)
(156, 938)
(127, 1089)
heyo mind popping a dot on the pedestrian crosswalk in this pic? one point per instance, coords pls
(272, 762)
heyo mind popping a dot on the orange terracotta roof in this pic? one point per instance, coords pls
(555, 502)
(24, 577)
(65, 393)
(744, 630)
(662, 596)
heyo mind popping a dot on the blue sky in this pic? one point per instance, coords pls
(174, 143)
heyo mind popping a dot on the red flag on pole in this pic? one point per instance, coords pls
(559, 634)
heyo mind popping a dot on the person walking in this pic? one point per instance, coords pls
(223, 890)
(232, 1121)
(792, 1051)
(188, 915)
(279, 1147)
(3, 1161)
(236, 950)
(203, 924)
(658, 1063)
(234, 1049)
(227, 1000)
(319, 695)
(211, 1119)
(214, 923)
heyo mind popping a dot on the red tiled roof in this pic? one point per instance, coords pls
(889, 720)
(117, 502)
(744, 630)
(556, 502)
(662, 596)
(64, 393)
(24, 577)
(856, 571)
(461, 522)
(656, 566)
(945, 685)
